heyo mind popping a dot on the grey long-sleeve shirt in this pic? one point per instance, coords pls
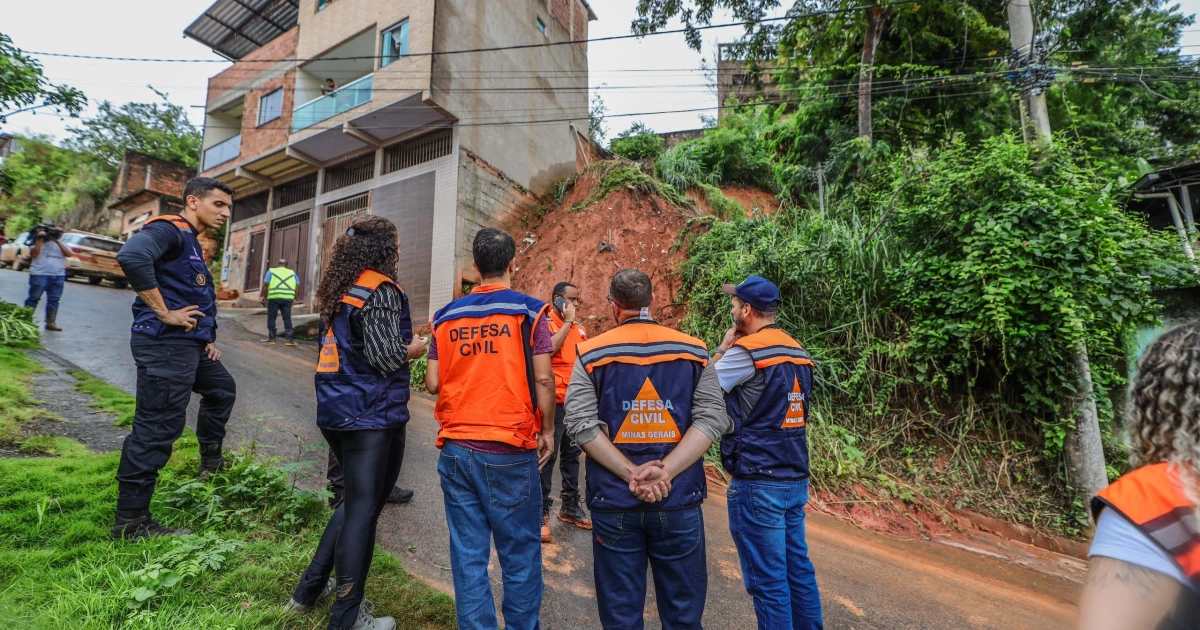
(583, 421)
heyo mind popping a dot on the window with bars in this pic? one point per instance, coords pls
(287, 222)
(407, 154)
(349, 205)
(295, 191)
(249, 207)
(352, 172)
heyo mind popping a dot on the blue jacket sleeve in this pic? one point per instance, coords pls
(138, 255)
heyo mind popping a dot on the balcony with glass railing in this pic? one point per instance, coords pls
(340, 100)
(222, 152)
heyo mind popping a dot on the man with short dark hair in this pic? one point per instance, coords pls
(568, 333)
(767, 377)
(173, 345)
(645, 407)
(48, 272)
(489, 364)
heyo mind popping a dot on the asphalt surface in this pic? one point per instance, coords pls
(867, 580)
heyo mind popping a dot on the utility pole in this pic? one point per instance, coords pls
(1035, 117)
(1086, 469)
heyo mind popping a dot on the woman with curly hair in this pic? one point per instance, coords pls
(1145, 559)
(362, 410)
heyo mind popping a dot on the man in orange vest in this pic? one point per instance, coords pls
(644, 408)
(489, 364)
(568, 334)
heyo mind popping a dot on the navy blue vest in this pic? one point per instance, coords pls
(644, 375)
(352, 395)
(184, 281)
(769, 441)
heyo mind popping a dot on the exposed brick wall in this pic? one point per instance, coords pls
(562, 13)
(486, 197)
(579, 32)
(258, 140)
(149, 207)
(256, 63)
(166, 178)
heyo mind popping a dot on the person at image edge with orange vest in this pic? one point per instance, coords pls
(767, 378)
(644, 408)
(568, 333)
(1144, 571)
(489, 364)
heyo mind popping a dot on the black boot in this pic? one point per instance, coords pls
(400, 495)
(138, 524)
(51, 316)
(211, 459)
(288, 338)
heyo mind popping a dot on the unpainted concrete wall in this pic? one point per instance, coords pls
(487, 198)
(533, 155)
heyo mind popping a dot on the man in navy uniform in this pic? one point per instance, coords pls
(174, 330)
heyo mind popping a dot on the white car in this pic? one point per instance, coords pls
(15, 253)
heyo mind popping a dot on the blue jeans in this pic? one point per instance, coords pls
(673, 542)
(766, 519)
(493, 496)
(52, 286)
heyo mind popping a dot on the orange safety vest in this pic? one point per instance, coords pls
(1151, 499)
(563, 361)
(485, 368)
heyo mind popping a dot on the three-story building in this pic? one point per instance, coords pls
(442, 115)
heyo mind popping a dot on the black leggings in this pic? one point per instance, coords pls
(370, 461)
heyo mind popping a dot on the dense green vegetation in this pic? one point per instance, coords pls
(956, 269)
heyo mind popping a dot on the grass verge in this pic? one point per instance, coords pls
(255, 536)
(108, 397)
(17, 405)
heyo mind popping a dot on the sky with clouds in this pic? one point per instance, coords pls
(668, 73)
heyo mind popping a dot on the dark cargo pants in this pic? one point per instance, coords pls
(167, 375)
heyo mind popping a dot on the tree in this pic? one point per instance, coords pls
(596, 112)
(45, 181)
(161, 130)
(23, 86)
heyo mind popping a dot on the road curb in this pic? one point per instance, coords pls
(60, 360)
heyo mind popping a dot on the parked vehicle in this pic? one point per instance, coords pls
(15, 253)
(95, 258)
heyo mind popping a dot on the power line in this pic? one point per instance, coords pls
(492, 48)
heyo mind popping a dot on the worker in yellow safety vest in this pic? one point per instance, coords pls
(279, 294)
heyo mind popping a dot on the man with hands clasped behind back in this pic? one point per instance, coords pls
(645, 405)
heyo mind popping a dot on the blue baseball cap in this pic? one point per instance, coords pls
(758, 292)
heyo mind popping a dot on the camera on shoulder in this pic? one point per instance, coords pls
(47, 232)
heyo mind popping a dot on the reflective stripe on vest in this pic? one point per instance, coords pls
(645, 376)
(768, 440)
(1150, 498)
(485, 368)
(282, 285)
(351, 394)
(563, 361)
(183, 281)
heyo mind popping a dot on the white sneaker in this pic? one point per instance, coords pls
(367, 622)
(296, 607)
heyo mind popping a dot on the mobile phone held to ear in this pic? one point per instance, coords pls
(560, 303)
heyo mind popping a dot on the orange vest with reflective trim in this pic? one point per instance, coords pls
(563, 361)
(1151, 499)
(485, 368)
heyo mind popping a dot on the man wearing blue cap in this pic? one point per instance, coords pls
(767, 378)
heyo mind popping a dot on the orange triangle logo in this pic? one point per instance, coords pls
(329, 361)
(795, 415)
(648, 419)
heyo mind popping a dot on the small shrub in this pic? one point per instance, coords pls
(637, 143)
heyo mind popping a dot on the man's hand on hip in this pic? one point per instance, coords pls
(213, 353)
(185, 317)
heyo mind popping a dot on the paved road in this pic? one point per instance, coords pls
(868, 581)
